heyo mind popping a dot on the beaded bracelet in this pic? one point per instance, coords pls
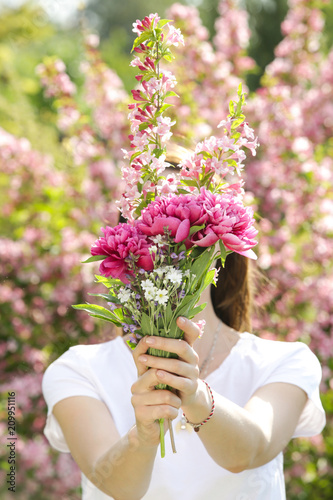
(196, 427)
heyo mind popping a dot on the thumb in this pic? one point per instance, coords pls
(190, 329)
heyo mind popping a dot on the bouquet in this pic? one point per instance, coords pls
(156, 265)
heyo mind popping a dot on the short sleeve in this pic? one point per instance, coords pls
(298, 365)
(64, 378)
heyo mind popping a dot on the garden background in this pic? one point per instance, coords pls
(64, 90)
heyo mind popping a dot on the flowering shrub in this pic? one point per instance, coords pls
(49, 215)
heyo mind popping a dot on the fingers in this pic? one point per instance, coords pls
(140, 349)
(177, 346)
(172, 365)
(183, 348)
(150, 406)
(157, 397)
(190, 329)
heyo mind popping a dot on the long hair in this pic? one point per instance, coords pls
(232, 298)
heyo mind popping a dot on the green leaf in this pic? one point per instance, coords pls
(98, 312)
(236, 123)
(197, 251)
(146, 324)
(209, 278)
(168, 313)
(171, 93)
(197, 310)
(194, 229)
(182, 191)
(119, 313)
(94, 258)
(205, 154)
(199, 268)
(169, 58)
(108, 282)
(141, 39)
(163, 22)
(144, 125)
(135, 155)
(109, 298)
(189, 182)
(163, 108)
(223, 251)
(114, 322)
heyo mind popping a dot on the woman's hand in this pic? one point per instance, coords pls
(182, 374)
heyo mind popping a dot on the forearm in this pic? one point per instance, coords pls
(124, 471)
(231, 437)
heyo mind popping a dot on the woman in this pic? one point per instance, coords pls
(102, 406)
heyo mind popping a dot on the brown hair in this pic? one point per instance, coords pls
(232, 297)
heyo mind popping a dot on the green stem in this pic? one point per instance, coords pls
(162, 437)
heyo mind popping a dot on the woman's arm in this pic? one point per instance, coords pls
(236, 438)
(120, 467)
(244, 438)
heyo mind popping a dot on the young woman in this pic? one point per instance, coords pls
(102, 406)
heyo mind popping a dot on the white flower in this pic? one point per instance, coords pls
(187, 273)
(153, 249)
(124, 295)
(162, 296)
(175, 276)
(147, 284)
(160, 271)
(158, 240)
(150, 293)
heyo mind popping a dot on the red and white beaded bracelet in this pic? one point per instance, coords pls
(196, 427)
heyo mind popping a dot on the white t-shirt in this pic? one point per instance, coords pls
(107, 371)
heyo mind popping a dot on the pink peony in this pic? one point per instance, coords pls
(122, 245)
(176, 213)
(223, 216)
(229, 221)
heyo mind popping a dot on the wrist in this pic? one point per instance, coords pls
(201, 407)
(140, 441)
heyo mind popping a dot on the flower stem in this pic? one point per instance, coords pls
(162, 437)
(172, 437)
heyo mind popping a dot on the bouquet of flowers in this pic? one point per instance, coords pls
(156, 265)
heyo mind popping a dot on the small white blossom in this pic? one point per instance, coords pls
(187, 273)
(158, 240)
(160, 271)
(150, 293)
(153, 249)
(147, 284)
(175, 276)
(162, 296)
(124, 295)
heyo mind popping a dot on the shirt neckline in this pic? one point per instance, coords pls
(235, 348)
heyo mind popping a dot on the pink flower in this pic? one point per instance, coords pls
(148, 23)
(122, 245)
(229, 221)
(175, 213)
(223, 216)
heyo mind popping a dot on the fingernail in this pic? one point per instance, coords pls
(181, 321)
(150, 341)
(143, 359)
(160, 374)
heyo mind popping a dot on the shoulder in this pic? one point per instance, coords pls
(91, 352)
(82, 359)
(276, 360)
(255, 345)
